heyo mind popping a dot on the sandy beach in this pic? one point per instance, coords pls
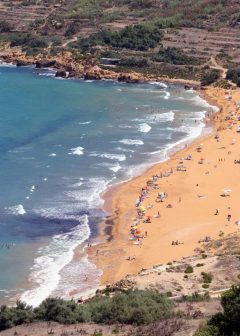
(202, 200)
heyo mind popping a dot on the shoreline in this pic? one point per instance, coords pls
(118, 244)
(108, 202)
(65, 67)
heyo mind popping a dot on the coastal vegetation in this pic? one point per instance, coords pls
(154, 37)
(138, 37)
(228, 321)
(175, 56)
(234, 75)
(131, 307)
(149, 310)
(210, 76)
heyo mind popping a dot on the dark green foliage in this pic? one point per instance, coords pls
(207, 277)
(132, 307)
(175, 56)
(199, 265)
(207, 331)
(13, 316)
(72, 29)
(196, 297)
(210, 77)
(28, 41)
(234, 75)
(134, 62)
(5, 27)
(138, 37)
(189, 269)
(226, 323)
(58, 310)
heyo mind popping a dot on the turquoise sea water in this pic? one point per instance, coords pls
(62, 142)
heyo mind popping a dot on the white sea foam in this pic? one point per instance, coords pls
(32, 189)
(161, 84)
(16, 210)
(202, 102)
(52, 154)
(89, 192)
(84, 123)
(144, 128)
(126, 150)
(76, 151)
(132, 142)
(47, 74)
(125, 126)
(45, 271)
(4, 64)
(167, 95)
(115, 168)
(159, 117)
(117, 157)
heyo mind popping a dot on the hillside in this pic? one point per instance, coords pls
(174, 38)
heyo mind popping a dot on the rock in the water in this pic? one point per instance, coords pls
(92, 76)
(20, 63)
(128, 78)
(61, 73)
(45, 64)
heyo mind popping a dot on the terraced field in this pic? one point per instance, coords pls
(204, 43)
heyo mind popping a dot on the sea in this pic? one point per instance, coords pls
(62, 143)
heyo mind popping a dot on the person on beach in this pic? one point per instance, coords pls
(216, 212)
(229, 217)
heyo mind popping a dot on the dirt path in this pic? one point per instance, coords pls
(65, 44)
(221, 68)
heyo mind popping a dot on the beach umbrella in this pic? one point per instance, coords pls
(237, 222)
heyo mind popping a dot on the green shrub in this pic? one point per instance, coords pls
(205, 286)
(138, 37)
(189, 269)
(5, 27)
(28, 41)
(196, 297)
(134, 62)
(175, 56)
(131, 307)
(234, 75)
(13, 316)
(207, 277)
(210, 77)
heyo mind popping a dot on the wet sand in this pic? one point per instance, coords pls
(194, 194)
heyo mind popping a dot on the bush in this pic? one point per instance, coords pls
(5, 27)
(138, 37)
(189, 269)
(28, 41)
(199, 265)
(210, 77)
(134, 62)
(132, 307)
(207, 277)
(196, 297)
(226, 323)
(175, 56)
(234, 75)
(13, 316)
